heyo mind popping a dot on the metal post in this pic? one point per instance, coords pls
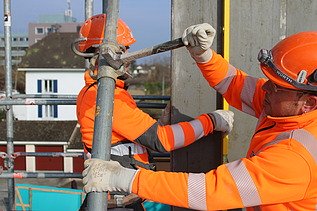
(104, 102)
(9, 113)
(42, 175)
(89, 11)
(69, 101)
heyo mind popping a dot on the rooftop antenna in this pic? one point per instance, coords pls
(68, 12)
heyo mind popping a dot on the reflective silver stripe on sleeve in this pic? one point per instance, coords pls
(247, 109)
(179, 137)
(246, 187)
(307, 140)
(279, 138)
(197, 191)
(198, 128)
(222, 87)
(87, 155)
(302, 136)
(247, 94)
(123, 149)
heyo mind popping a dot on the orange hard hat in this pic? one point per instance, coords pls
(292, 62)
(93, 32)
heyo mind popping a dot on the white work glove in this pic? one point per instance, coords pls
(198, 39)
(223, 120)
(100, 175)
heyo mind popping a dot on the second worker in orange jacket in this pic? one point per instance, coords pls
(279, 172)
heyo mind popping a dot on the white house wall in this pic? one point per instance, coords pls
(68, 83)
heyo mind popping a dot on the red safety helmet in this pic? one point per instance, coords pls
(93, 32)
(292, 63)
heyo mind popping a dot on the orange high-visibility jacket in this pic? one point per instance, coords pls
(279, 172)
(133, 128)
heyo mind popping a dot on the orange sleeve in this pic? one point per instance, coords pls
(241, 91)
(148, 184)
(263, 177)
(184, 133)
(215, 70)
(172, 188)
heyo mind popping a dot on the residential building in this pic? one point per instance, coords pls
(51, 67)
(19, 45)
(57, 81)
(43, 136)
(38, 31)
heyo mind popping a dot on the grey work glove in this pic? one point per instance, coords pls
(223, 120)
(100, 175)
(198, 39)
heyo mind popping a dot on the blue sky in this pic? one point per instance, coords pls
(149, 20)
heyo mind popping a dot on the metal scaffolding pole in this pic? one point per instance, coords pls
(30, 101)
(8, 84)
(89, 8)
(10, 101)
(104, 103)
(50, 96)
(74, 97)
(89, 11)
(48, 154)
(23, 175)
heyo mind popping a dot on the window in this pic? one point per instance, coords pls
(49, 30)
(47, 111)
(47, 86)
(39, 30)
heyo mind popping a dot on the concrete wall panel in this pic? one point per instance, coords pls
(253, 25)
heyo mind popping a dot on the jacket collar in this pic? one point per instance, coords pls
(293, 122)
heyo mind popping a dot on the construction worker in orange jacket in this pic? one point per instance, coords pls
(133, 131)
(279, 171)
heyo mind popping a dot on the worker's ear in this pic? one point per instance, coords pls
(310, 104)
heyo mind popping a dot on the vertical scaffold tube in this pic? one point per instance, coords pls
(104, 102)
(89, 11)
(9, 113)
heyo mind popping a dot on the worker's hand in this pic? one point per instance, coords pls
(165, 118)
(100, 175)
(223, 120)
(172, 112)
(198, 39)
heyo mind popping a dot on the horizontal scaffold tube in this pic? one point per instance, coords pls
(136, 97)
(43, 154)
(67, 102)
(22, 175)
